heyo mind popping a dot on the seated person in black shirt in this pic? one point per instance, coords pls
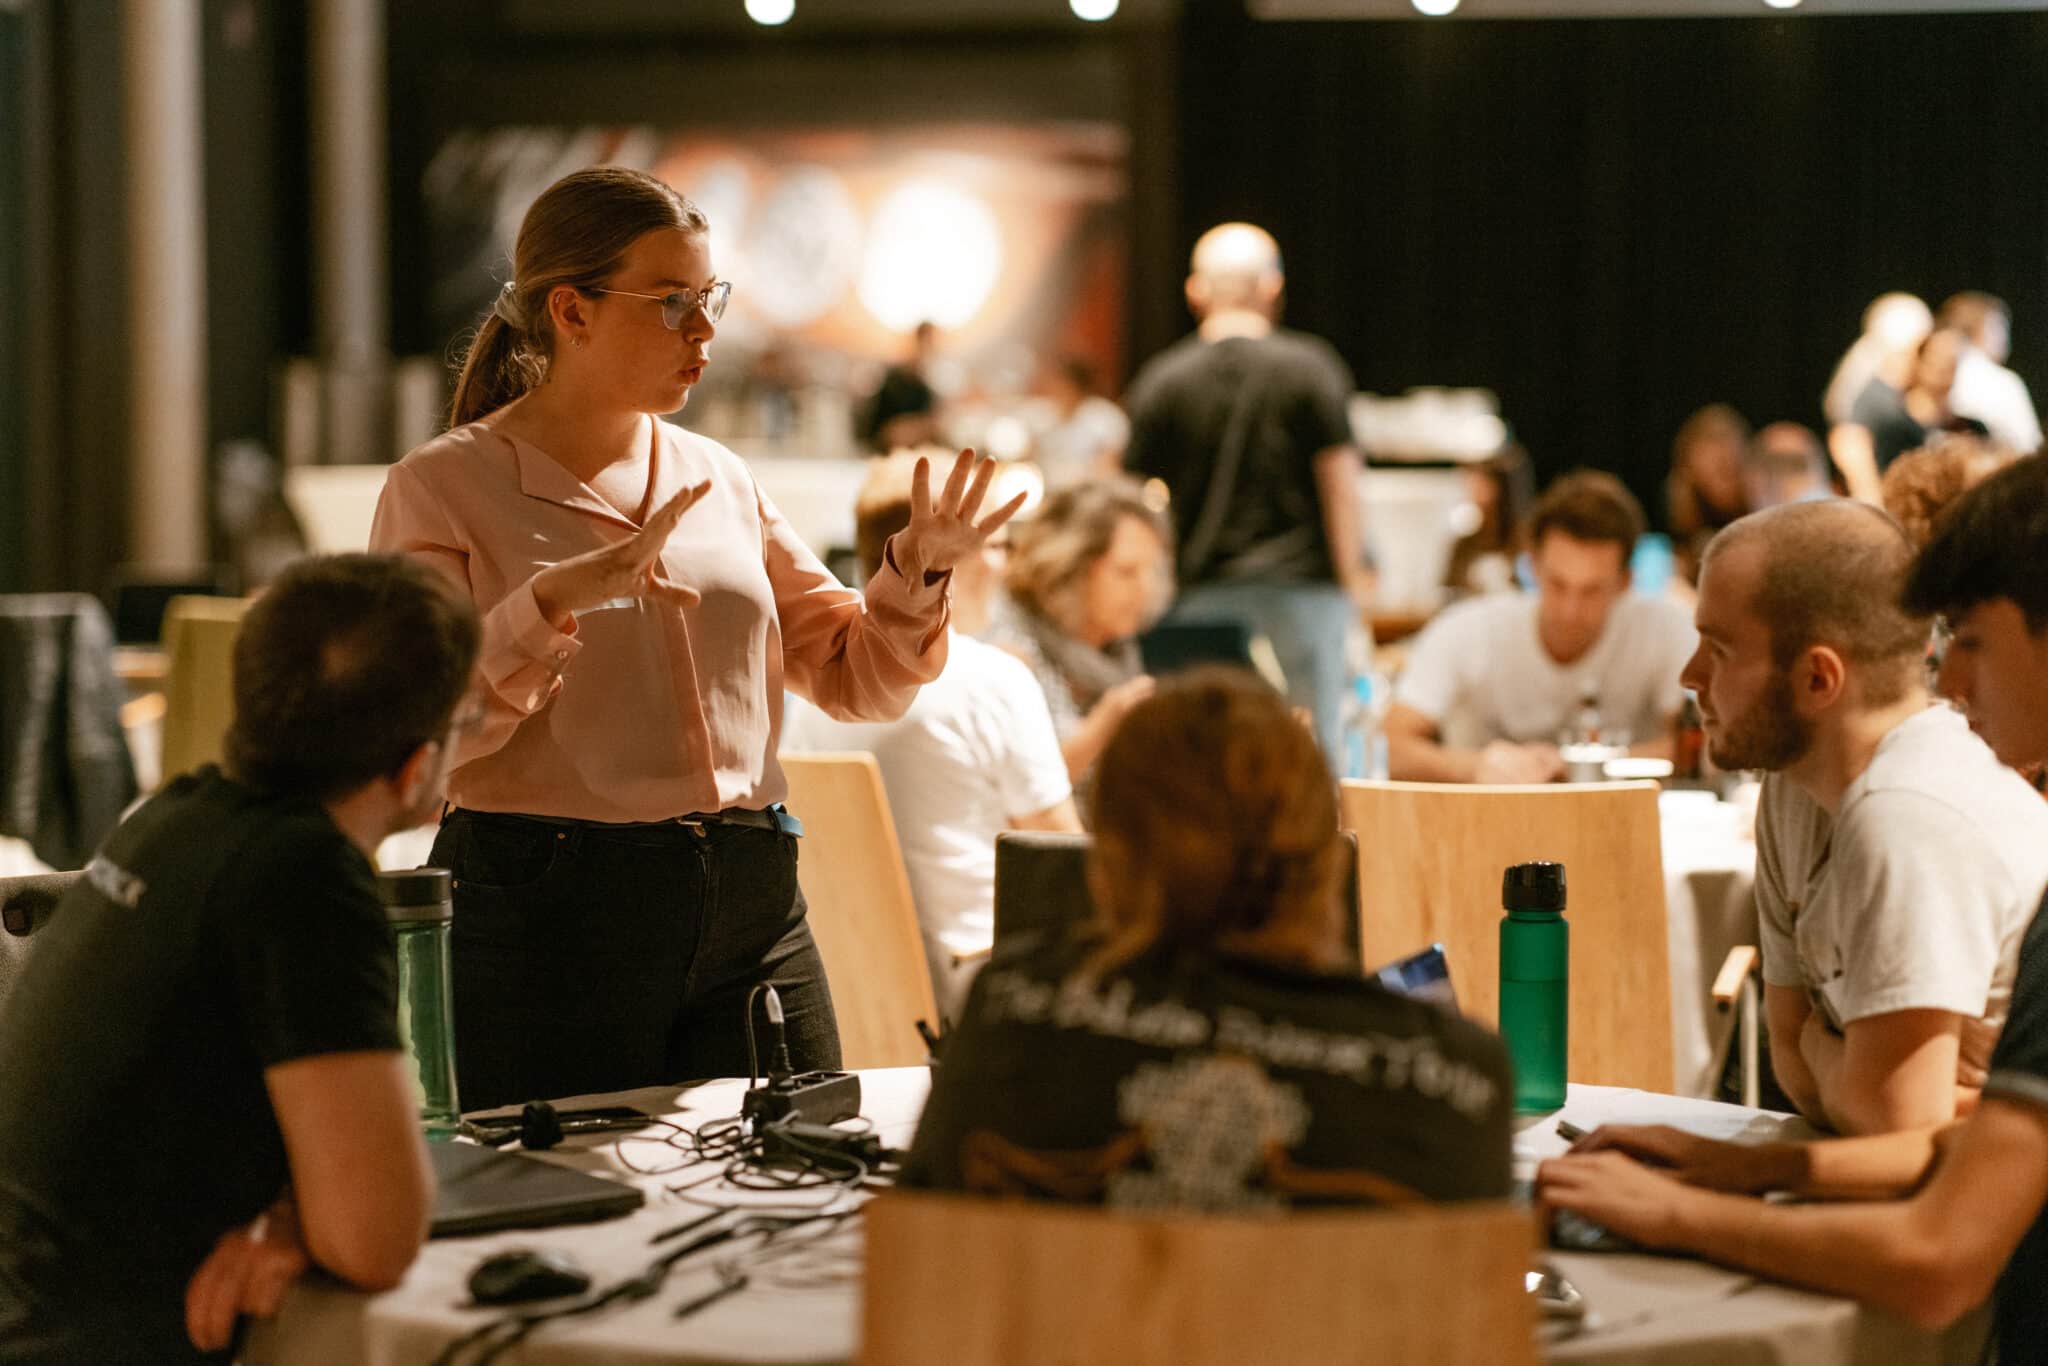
(1196, 1048)
(1952, 1213)
(204, 1084)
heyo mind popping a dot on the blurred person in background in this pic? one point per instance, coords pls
(904, 409)
(1087, 574)
(1985, 389)
(1087, 433)
(1785, 463)
(1494, 682)
(1499, 490)
(1893, 325)
(1197, 1046)
(1921, 485)
(1901, 406)
(1247, 423)
(1704, 491)
(974, 755)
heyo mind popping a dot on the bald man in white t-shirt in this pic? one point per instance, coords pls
(1492, 683)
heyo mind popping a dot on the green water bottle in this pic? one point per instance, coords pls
(1535, 950)
(419, 904)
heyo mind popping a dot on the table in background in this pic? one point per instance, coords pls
(806, 1309)
(1709, 881)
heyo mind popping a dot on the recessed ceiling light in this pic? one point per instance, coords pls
(1782, 4)
(770, 12)
(1436, 9)
(1094, 11)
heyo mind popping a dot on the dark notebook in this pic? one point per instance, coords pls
(480, 1189)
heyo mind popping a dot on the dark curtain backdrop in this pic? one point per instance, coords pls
(1611, 223)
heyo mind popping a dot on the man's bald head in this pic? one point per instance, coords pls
(1827, 573)
(1235, 265)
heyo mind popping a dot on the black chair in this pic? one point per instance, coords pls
(1042, 887)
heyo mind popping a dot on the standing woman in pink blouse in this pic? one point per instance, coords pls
(624, 872)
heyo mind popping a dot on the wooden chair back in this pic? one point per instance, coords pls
(850, 867)
(1430, 862)
(199, 699)
(959, 1281)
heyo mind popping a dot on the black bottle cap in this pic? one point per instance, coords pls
(1533, 887)
(417, 894)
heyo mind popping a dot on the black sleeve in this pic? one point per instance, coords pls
(2019, 1063)
(313, 965)
(1142, 446)
(954, 1102)
(1322, 408)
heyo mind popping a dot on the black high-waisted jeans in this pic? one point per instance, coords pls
(601, 958)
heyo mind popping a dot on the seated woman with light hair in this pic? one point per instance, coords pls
(1197, 1044)
(1088, 573)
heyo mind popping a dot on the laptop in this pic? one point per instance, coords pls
(1426, 976)
(479, 1190)
(1172, 646)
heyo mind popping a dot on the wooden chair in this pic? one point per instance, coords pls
(851, 870)
(1430, 862)
(199, 699)
(959, 1281)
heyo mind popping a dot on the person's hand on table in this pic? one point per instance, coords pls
(247, 1272)
(1619, 1194)
(623, 569)
(1506, 762)
(1742, 1168)
(942, 534)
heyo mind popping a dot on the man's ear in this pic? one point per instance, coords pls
(1197, 290)
(1819, 678)
(416, 772)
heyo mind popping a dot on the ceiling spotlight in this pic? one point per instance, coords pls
(1436, 9)
(770, 12)
(1094, 11)
(1782, 4)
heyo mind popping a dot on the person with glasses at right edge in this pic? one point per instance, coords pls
(624, 874)
(1929, 1222)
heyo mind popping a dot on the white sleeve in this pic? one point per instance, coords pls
(1773, 915)
(1429, 682)
(1930, 905)
(1678, 643)
(1031, 773)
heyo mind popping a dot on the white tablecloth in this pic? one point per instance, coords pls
(805, 1308)
(1709, 875)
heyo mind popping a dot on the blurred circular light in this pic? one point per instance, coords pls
(933, 254)
(1436, 9)
(1094, 11)
(770, 12)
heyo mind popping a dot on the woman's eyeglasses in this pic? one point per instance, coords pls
(677, 306)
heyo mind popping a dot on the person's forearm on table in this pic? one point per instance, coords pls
(1886, 1254)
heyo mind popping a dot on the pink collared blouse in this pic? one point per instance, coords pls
(662, 710)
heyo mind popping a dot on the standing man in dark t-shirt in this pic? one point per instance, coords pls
(1970, 1213)
(204, 1086)
(1247, 425)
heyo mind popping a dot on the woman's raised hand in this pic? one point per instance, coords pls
(941, 535)
(623, 569)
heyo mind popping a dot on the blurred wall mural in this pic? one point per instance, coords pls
(1013, 241)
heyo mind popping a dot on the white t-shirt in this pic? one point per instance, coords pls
(1996, 397)
(1480, 672)
(975, 749)
(1915, 894)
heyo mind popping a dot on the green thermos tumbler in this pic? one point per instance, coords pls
(1535, 992)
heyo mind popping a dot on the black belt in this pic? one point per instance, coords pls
(775, 817)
